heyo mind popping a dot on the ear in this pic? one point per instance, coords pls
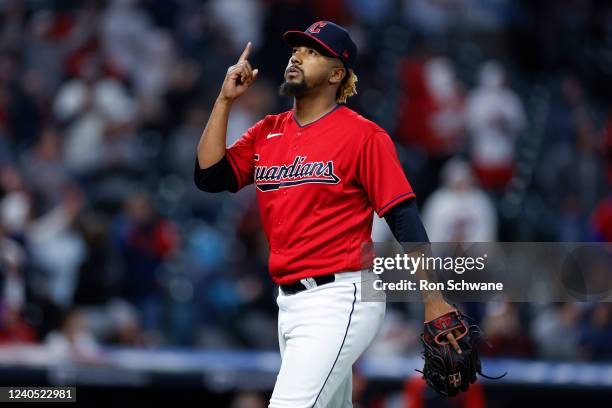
(337, 75)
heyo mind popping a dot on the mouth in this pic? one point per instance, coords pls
(292, 72)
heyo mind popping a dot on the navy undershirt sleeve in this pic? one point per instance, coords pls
(405, 224)
(218, 177)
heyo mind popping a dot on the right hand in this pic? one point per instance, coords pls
(239, 77)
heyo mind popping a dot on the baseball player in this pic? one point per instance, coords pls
(321, 170)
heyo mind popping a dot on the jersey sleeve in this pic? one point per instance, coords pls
(381, 175)
(241, 155)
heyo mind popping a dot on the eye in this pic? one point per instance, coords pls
(312, 52)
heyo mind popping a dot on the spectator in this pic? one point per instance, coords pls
(74, 339)
(181, 95)
(505, 332)
(96, 111)
(14, 328)
(557, 321)
(430, 106)
(144, 240)
(459, 210)
(114, 322)
(430, 116)
(15, 204)
(595, 333)
(51, 38)
(125, 34)
(601, 220)
(57, 248)
(20, 114)
(240, 21)
(574, 176)
(99, 273)
(495, 117)
(12, 263)
(45, 171)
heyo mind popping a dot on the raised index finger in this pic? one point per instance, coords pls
(245, 53)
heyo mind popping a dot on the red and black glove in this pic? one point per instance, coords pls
(445, 370)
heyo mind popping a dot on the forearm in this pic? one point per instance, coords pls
(407, 227)
(211, 147)
(423, 250)
(434, 302)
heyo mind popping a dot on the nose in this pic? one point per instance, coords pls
(294, 60)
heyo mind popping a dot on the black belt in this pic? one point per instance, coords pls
(307, 283)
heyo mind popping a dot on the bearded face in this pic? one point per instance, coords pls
(307, 70)
(295, 82)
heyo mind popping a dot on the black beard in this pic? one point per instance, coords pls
(292, 88)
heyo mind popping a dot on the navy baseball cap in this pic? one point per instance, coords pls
(327, 37)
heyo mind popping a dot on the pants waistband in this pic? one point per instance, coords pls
(313, 282)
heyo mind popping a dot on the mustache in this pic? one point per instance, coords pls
(290, 67)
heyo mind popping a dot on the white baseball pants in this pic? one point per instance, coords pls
(322, 331)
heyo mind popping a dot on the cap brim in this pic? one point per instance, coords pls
(295, 38)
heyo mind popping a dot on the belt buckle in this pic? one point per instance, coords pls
(308, 283)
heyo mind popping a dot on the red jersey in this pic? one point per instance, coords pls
(317, 187)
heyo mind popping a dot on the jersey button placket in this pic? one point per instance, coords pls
(295, 146)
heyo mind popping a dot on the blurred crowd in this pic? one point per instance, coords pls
(501, 120)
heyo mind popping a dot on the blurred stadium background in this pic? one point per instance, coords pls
(119, 277)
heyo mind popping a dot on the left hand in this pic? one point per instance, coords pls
(437, 308)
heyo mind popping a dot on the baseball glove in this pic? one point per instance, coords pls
(445, 370)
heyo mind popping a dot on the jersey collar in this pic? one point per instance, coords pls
(316, 120)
